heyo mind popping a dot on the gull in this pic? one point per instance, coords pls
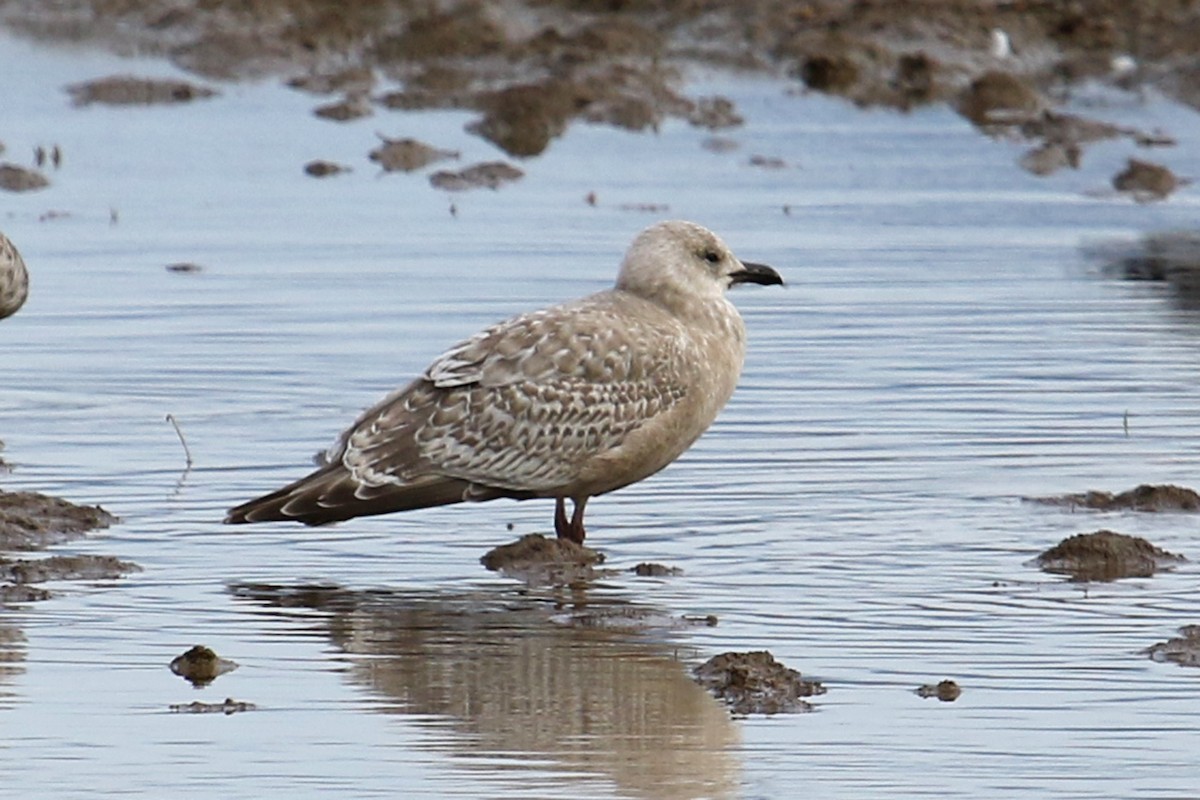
(14, 278)
(568, 402)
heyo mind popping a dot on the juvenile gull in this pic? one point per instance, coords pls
(14, 279)
(568, 402)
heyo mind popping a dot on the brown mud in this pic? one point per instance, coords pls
(127, 90)
(229, 706)
(651, 570)
(1183, 649)
(19, 179)
(1105, 556)
(531, 68)
(408, 155)
(201, 666)
(1146, 497)
(540, 559)
(947, 691)
(30, 521)
(755, 683)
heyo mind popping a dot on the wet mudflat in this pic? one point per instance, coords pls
(945, 349)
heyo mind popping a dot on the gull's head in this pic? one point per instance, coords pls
(680, 261)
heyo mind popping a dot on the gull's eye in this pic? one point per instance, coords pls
(712, 256)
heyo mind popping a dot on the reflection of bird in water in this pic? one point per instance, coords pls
(14, 278)
(568, 402)
(575, 687)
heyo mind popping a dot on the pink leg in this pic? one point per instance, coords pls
(572, 530)
(561, 527)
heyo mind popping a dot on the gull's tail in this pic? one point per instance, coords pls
(332, 494)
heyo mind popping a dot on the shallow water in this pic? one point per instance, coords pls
(942, 350)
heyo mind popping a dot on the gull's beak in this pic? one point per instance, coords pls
(755, 273)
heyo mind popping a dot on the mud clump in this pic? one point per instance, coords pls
(488, 175)
(755, 683)
(651, 570)
(522, 120)
(1062, 140)
(32, 521)
(126, 90)
(22, 593)
(1146, 181)
(64, 568)
(319, 168)
(1146, 497)
(352, 81)
(830, 73)
(230, 706)
(1105, 556)
(19, 179)
(1183, 649)
(355, 106)
(947, 691)
(999, 98)
(407, 155)
(535, 556)
(201, 666)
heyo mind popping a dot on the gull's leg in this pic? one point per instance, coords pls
(561, 527)
(577, 532)
(570, 530)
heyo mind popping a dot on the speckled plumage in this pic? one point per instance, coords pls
(14, 278)
(571, 401)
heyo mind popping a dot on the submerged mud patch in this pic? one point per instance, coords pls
(407, 155)
(649, 569)
(127, 90)
(755, 683)
(230, 706)
(1183, 649)
(19, 179)
(64, 568)
(31, 521)
(488, 175)
(1105, 556)
(1146, 497)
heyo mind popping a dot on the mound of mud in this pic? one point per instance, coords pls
(755, 683)
(201, 665)
(539, 559)
(32, 521)
(1105, 556)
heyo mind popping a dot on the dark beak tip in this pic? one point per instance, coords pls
(757, 273)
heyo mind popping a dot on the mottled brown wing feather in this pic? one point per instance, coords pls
(521, 406)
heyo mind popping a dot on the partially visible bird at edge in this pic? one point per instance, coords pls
(14, 278)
